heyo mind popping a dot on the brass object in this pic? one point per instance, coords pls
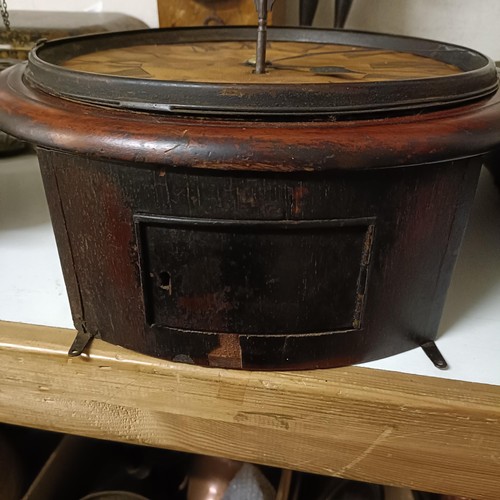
(13, 45)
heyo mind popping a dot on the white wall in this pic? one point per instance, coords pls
(473, 23)
(145, 10)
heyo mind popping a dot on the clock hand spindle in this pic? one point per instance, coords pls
(263, 7)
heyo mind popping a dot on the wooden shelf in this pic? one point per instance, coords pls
(371, 425)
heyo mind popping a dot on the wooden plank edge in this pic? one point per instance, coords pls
(385, 427)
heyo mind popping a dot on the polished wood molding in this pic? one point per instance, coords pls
(176, 142)
(385, 427)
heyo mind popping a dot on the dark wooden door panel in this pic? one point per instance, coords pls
(258, 277)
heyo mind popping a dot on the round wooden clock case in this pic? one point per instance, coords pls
(307, 217)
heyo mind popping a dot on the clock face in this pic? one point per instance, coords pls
(288, 62)
(211, 70)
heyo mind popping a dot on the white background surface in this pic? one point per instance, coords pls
(32, 288)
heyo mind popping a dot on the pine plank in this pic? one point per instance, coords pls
(385, 427)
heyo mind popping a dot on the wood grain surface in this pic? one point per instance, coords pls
(291, 62)
(174, 13)
(420, 432)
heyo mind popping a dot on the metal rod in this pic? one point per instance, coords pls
(260, 60)
(263, 7)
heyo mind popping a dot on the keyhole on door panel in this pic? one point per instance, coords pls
(165, 281)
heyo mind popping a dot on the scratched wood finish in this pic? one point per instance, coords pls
(383, 427)
(258, 271)
(245, 145)
(225, 62)
(175, 13)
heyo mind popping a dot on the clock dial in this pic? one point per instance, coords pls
(289, 62)
(309, 72)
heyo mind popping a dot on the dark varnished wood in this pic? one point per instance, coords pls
(211, 318)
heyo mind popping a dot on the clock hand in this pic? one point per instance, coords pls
(319, 70)
(336, 71)
(351, 50)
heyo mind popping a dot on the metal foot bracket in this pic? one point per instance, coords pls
(434, 354)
